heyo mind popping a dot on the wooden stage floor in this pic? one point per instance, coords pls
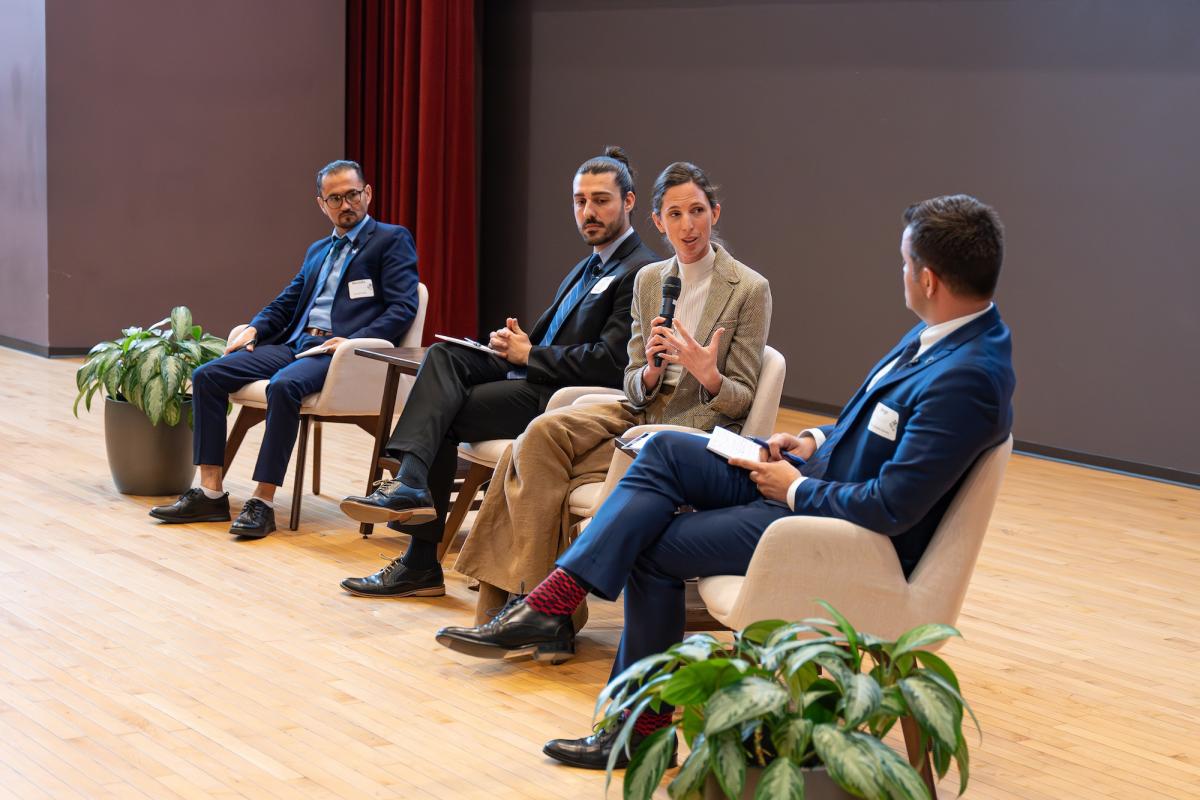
(150, 661)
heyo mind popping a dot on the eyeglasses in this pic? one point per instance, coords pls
(351, 197)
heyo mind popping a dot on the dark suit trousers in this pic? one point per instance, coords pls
(460, 395)
(637, 541)
(291, 380)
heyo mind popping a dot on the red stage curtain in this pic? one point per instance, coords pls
(410, 122)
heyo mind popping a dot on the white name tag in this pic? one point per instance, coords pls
(602, 284)
(884, 422)
(361, 288)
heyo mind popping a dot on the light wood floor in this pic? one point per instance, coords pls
(150, 661)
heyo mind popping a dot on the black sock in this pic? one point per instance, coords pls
(421, 554)
(413, 472)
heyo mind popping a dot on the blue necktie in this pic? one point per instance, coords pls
(330, 260)
(590, 272)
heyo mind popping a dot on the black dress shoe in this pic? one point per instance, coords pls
(256, 520)
(591, 752)
(518, 630)
(397, 580)
(194, 506)
(393, 501)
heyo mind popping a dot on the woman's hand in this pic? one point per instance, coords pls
(655, 343)
(697, 359)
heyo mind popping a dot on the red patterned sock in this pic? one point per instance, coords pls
(649, 722)
(558, 594)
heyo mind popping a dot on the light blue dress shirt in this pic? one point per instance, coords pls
(320, 316)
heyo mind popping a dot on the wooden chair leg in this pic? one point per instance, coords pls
(247, 418)
(462, 504)
(316, 458)
(298, 489)
(918, 756)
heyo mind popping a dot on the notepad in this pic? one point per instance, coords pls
(728, 444)
(319, 350)
(471, 343)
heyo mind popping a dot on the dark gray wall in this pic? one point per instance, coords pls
(23, 284)
(823, 120)
(183, 142)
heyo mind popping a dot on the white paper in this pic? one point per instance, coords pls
(466, 343)
(728, 444)
(319, 350)
(602, 284)
(884, 422)
(361, 288)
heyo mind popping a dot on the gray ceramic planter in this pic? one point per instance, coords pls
(147, 459)
(817, 786)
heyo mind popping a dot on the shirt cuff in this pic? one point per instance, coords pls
(817, 434)
(792, 492)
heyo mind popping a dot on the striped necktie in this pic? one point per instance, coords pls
(591, 271)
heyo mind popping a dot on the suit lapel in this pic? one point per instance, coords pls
(313, 270)
(719, 291)
(627, 247)
(941, 349)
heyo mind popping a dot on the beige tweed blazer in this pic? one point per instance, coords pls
(739, 300)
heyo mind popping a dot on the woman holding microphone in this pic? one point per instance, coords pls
(700, 372)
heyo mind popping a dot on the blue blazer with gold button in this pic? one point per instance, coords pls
(382, 270)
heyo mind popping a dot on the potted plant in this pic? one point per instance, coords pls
(145, 377)
(788, 708)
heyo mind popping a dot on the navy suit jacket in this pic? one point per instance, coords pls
(382, 253)
(955, 403)
(595, 335)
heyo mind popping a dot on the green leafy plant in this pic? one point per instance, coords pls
(150, 368)
(785, 696)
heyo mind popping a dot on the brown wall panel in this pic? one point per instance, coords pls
(183, 140)
(823, 120)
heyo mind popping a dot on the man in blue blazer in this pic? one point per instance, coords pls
(892, 463)
(359, 282)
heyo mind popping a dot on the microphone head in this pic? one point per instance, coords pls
(671, 287)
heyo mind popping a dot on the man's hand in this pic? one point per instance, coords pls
(773, 478)
(333, 342)
(802, 446)
(244, 339)
(511, 343)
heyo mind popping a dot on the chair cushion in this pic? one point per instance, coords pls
(255, 395)
(719, 593)
(584, 498)
(487, 452)
(252, 394)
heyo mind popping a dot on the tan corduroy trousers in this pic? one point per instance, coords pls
(524, 522)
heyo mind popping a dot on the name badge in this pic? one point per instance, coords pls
(361, 288)
(884, 422)
(601, 285)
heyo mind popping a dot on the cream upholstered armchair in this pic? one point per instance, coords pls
(351, 394)
(801, 559)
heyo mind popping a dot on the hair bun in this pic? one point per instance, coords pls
(617, 153)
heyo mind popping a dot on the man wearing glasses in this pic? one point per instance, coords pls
(359, 282)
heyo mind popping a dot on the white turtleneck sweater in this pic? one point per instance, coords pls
(695, 278)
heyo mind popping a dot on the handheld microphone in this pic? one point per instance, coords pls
(671, 288)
